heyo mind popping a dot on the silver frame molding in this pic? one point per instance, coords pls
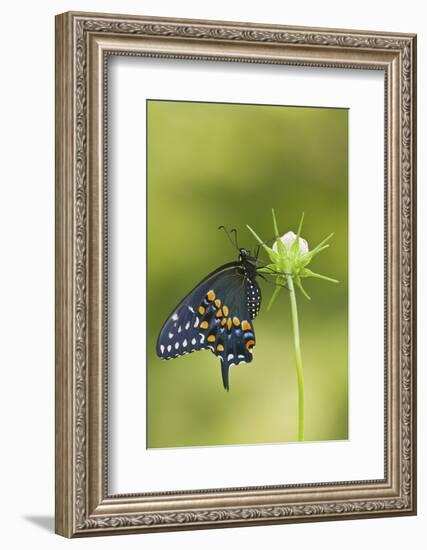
(83, 43)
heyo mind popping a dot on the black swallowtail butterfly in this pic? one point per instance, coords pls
(217, 315)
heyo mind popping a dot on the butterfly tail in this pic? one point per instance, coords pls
(224, 371)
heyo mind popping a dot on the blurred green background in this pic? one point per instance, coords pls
(211, 164)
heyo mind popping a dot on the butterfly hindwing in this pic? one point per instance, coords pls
(229, 337)
(216, 315)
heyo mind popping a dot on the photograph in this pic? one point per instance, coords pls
(247, 293)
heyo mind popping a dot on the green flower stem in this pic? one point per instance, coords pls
(298, 360)
(289, 257)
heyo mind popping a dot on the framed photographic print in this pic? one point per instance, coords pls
(235, 274)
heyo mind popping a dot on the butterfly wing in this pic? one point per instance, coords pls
(215, 315)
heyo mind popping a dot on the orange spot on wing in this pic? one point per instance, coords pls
(225, 310)
(223, 321)
(204, 325)
(210, 296)
(246, 325)
(218, 303)
(236, 321)
(229, 324)
(211, 338)
(220, 347)
(250, 344)
(201, 310)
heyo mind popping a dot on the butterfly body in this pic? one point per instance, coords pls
(217, 315)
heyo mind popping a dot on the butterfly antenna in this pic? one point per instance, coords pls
(234, 243)
(235, 238)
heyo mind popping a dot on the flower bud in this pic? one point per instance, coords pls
(288, 240)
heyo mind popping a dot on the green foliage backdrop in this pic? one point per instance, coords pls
(212, 164)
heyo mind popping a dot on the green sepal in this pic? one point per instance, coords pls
(321, 246)
(276, 229)
(274, 296)
(280, 246)
(295, 244)
(299, 285)
(308, 273)
(274, 257)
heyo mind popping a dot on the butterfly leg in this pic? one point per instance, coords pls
(270, 282)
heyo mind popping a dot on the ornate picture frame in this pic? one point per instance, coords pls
(84, 42)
